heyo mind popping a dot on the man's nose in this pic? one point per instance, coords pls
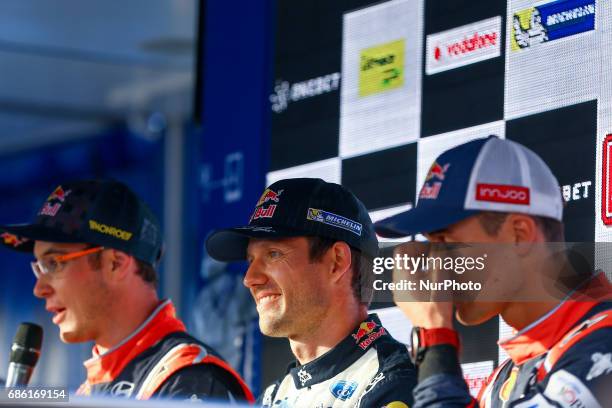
(254, 275)
(42, 289)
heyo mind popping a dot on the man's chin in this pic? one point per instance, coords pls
(472, 314)
(271, 327)
(72, 336)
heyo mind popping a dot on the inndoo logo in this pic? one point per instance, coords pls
(463, 45)
(551, 21)
(500, 193)
(606, 194)
(381, 68)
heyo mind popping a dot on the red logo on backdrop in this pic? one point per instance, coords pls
(606, 196)
(468, 45)
(500, 193)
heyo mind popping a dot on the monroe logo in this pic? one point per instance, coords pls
(551, 21)
(113, 231)
(463, 45)
(499, 193)
(284, 92)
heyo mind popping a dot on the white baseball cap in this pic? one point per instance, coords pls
(489, 174)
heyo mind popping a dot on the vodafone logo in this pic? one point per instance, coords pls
(500, 193)
(467, 45)
(463, 45)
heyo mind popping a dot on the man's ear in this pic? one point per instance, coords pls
(120, 264)
(340, 256)
(524, 230)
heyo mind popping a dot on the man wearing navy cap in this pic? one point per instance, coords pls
(310, 245)
(96, 246)
(494, 191)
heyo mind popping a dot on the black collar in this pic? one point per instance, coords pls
(338, 359)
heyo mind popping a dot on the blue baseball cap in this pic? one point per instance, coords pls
(299, 207)
(489, 174)
(101, 212)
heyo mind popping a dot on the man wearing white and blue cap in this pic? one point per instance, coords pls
(494, 191)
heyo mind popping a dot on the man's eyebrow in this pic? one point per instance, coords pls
(52, 251)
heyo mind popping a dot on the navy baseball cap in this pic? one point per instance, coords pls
(489, 174)
(299, 207)
(100, 212)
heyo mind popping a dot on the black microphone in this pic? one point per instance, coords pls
(24, 354)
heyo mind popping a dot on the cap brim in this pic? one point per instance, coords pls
(419, 221)
(230, 244)
(22, 237)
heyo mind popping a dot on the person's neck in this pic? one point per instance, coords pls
(329, 332)
(521, 314)
(537, 297)
(129, 313)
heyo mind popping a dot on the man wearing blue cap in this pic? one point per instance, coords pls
(310, 245)
(494, 191)
(96, 246)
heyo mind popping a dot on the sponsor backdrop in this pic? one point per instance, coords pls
(368, 93)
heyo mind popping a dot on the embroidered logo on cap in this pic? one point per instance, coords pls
(54, 202)
(108, 230)
(433, 181)
(264, 212)
(334, 220)
(12, 240)
(500, 193)
(269, 195)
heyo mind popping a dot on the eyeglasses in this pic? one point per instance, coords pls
(52, 264)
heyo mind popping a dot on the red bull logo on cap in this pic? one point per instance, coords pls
(59, 194)
(269, 195)
(437, 171)
(12, 240)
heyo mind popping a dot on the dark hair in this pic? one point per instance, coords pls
(361, 266)
(145, 270)
(553, 230)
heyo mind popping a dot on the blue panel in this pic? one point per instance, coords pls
(231, 171)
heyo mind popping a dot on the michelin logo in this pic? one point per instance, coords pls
(551, 21)
(334, 220)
